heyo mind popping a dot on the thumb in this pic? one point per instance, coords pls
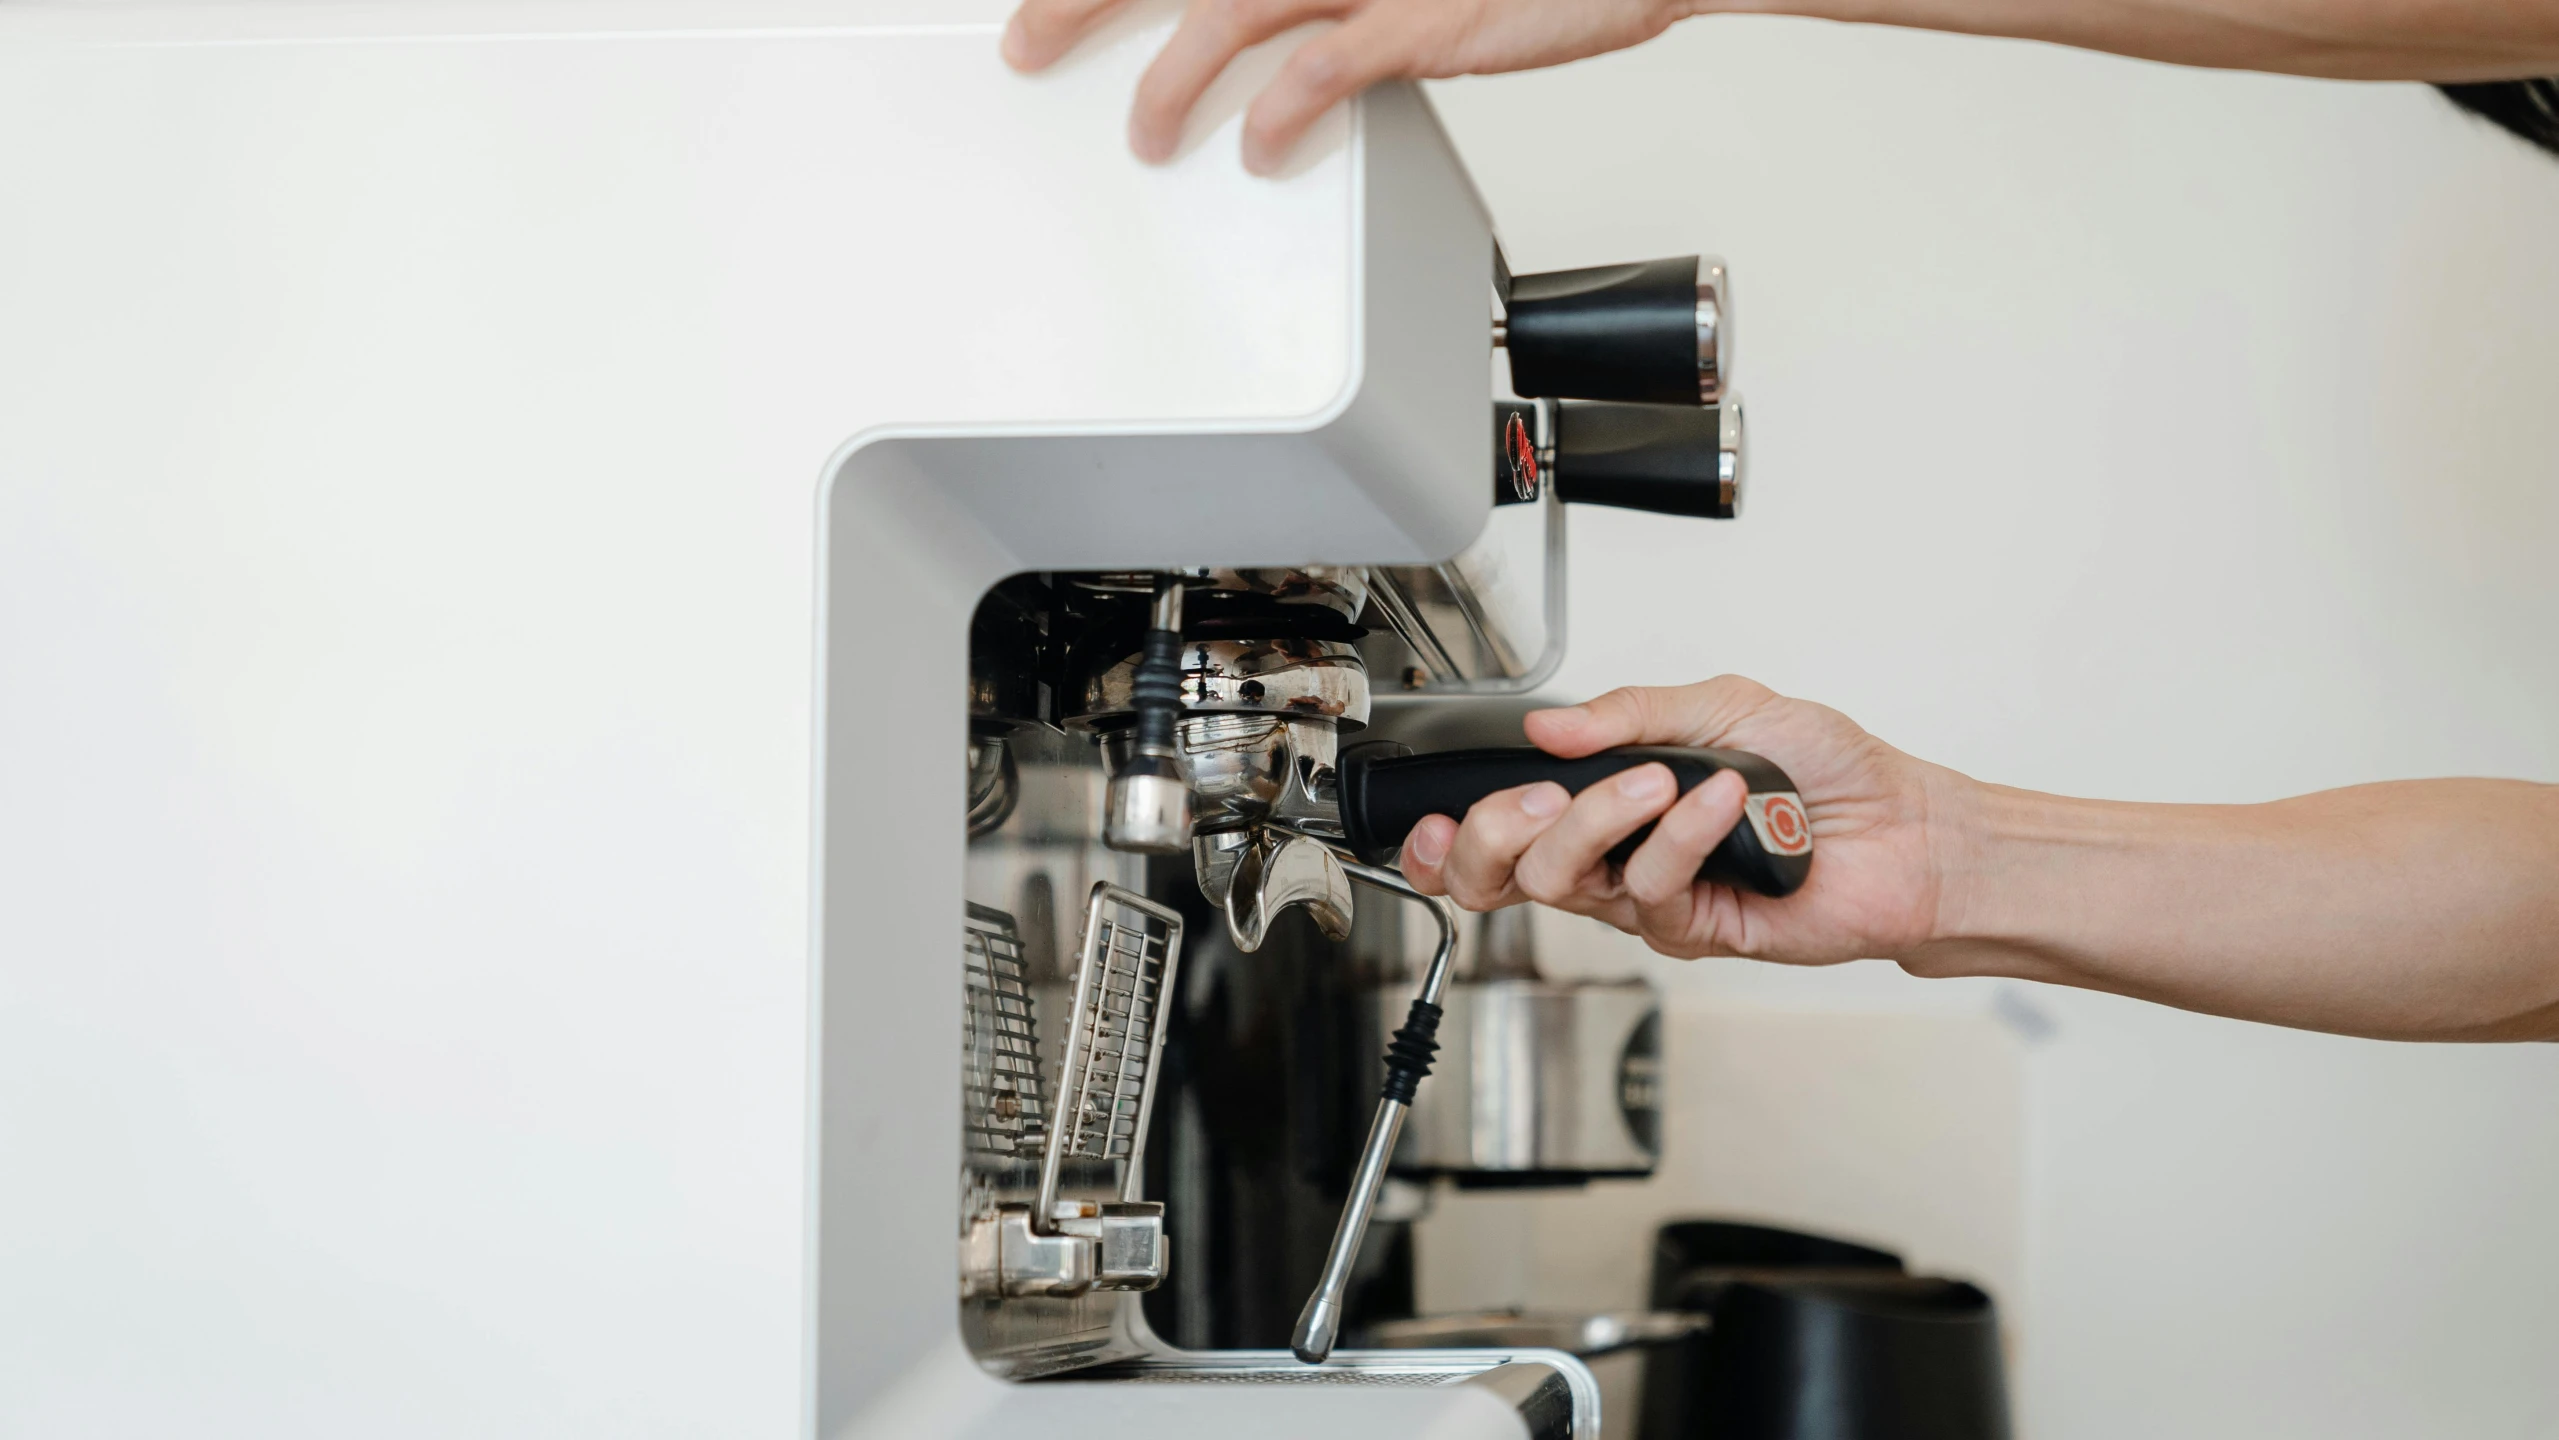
(1697, 714)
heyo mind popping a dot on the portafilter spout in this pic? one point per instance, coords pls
(1408, 1059)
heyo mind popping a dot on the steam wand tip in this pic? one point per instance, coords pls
(1317, 1328)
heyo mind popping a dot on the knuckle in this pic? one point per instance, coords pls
(1678, 947)
(1684, 827)
(1653, 886)
(1736, 688)
(1607, 814)
(1496, 823)
(1321, 66)
(1649, 706)
(1239, 16)
(1541, 882)
(1475, 884)
(1057, 19)
(1621, 703)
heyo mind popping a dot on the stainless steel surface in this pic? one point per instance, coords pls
(1148, 815)
(1309, 678)
(1732, 460)
(1714, 329)
(1057, 1247)
(1246, 768)
(1115, 1041)
(1034, 869)
(1544, 1398)
(1320, 1324)
(1084, 1247)
(994, 783)
(1213, 860)
(1001, 1114)
(1343, 589)
(1003, 1255)
(1537, 1078)
(1537, 1081)
(1504, 948)
(1131, 1249)
(1443, 911)
(1584, 1335)
(1150, 804)
(1489, 622)
(1275, 869)
(1552, 1391)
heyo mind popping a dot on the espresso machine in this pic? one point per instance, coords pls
(1183, 801)
(551, 552)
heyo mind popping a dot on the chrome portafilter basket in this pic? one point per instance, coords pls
(1256, 737)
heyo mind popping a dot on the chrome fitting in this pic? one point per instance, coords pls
(1714, 329)
(1148, 810)
(1115, 1245)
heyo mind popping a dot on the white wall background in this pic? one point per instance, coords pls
(2133, 432)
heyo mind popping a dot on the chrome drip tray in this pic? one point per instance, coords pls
(1554, 1393)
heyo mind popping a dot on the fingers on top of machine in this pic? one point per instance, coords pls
(1042, 30)
(1211, 35)
(1377, 42)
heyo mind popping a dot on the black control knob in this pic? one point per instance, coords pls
(1656, 332)
(1668, 459)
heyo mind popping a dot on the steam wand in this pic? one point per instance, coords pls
(1408, 1059)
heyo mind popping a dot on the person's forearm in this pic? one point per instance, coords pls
(2418, 910)
(2433, 40)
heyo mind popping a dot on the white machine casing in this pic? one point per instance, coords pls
(491, 502)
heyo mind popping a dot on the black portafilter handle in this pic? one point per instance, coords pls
(1656, 331)
(1386, 789)
(1668, 459)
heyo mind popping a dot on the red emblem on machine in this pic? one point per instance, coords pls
(1521, 450)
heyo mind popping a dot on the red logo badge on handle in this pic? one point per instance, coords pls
(1777, 818)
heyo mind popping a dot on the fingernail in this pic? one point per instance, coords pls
(1427, 844)
(1545, 799)
(1646, 783)
(1015, 46)
(1146, 146)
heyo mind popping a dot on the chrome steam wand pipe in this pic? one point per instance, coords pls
(1408, 1059)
